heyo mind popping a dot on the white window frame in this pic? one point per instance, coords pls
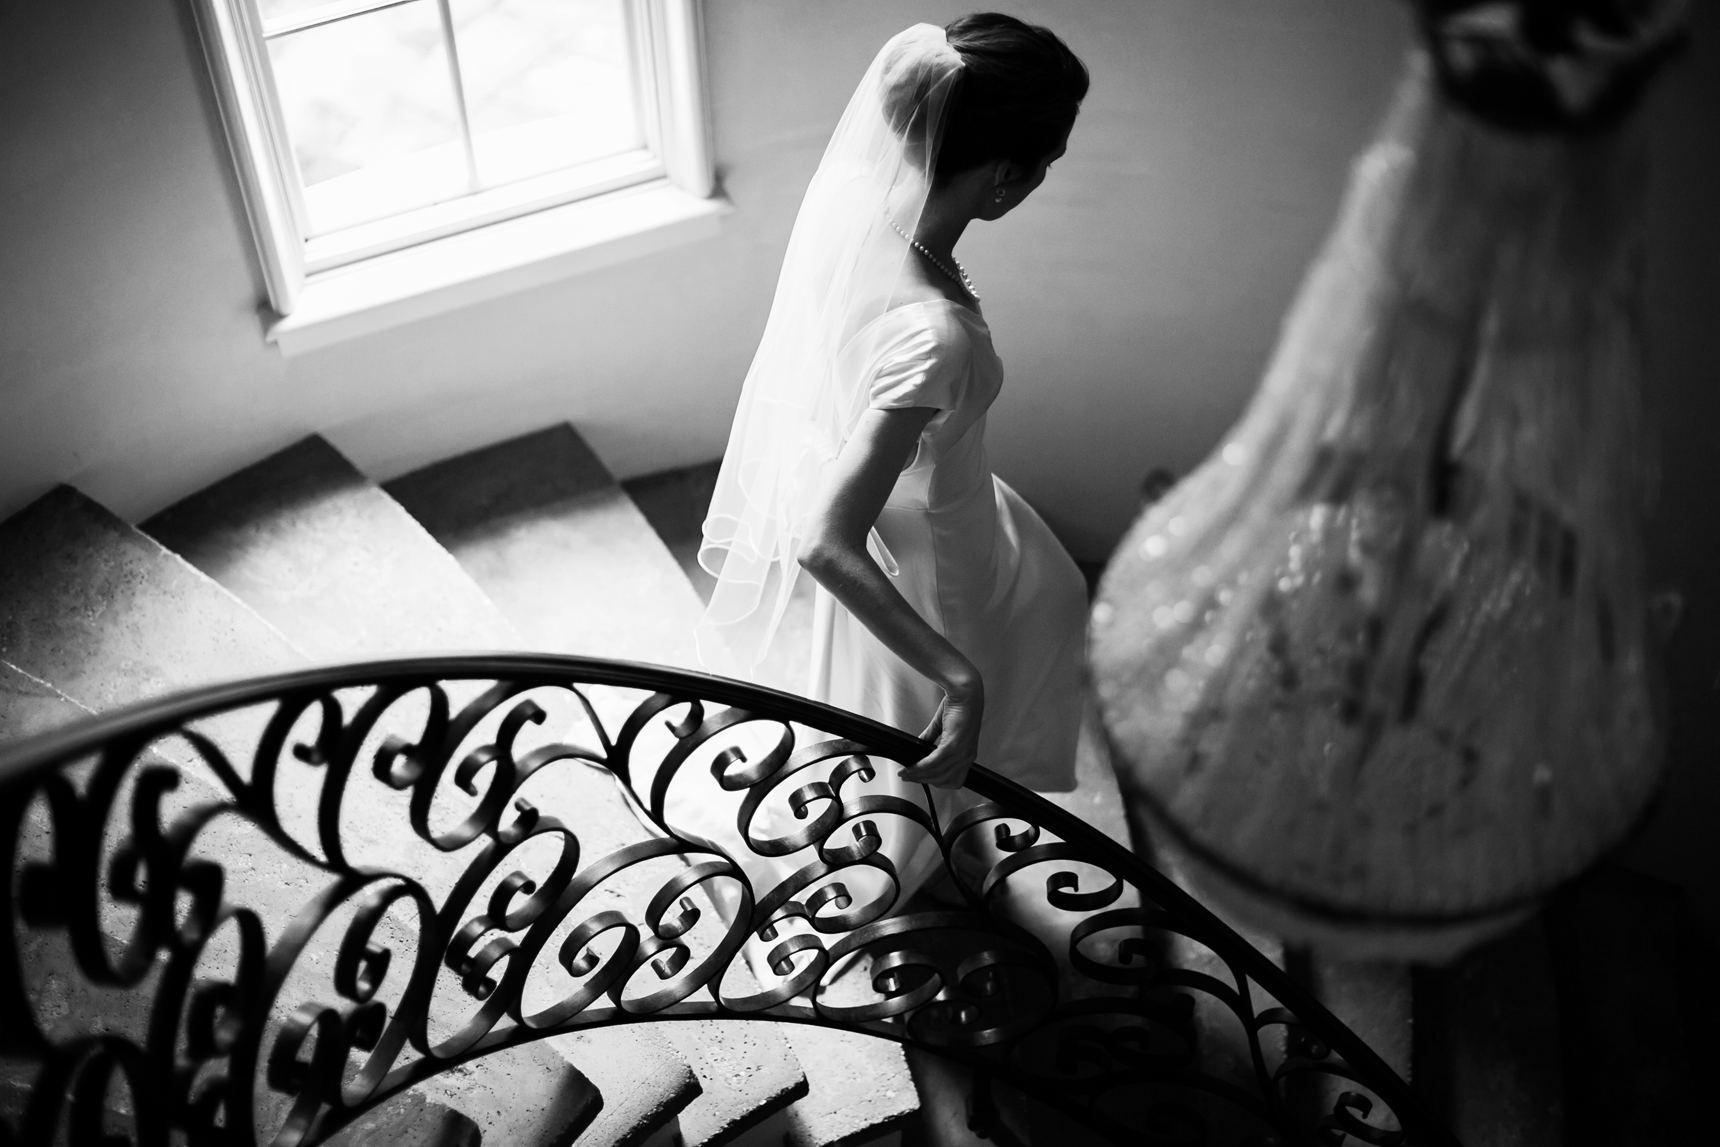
(326, 288)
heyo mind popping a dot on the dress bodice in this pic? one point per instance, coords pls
(939, 354)
(966, 553)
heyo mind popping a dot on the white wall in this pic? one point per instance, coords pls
(1134, 299)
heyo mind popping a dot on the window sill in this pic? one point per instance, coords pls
(445, 274)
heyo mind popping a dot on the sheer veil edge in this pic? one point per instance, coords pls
(807, 385)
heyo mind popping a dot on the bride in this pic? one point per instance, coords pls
(943, 602)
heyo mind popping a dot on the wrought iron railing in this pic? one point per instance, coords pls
(251, 913)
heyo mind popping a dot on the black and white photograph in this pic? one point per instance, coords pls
(859, 573)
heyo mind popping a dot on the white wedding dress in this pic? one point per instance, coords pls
(968, 554)
(962, 547)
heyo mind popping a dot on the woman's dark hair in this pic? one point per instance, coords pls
(1019, 91)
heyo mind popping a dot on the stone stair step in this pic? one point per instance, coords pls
(644, 1090)
(309, 542)
(29, 705)
(545, 529)
(744, 1071)
(409, 1120)
(313, 545)
(859, 1088)
(106, 616)
(751, 1080)
(529, 1094)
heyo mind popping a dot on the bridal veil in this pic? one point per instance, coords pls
(798, 405)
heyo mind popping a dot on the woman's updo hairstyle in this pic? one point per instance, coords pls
(1019, 90)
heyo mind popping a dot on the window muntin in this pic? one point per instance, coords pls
(392, 105)
(364, 126)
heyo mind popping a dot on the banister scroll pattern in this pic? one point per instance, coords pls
(251, 913)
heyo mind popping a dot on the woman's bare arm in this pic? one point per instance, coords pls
(855, 489)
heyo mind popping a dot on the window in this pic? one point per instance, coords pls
(363, 128)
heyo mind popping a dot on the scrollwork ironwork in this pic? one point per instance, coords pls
(251, 913)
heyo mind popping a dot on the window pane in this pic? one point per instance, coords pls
(275, 9)
(318, 10)
(369, 105)
(548, 83)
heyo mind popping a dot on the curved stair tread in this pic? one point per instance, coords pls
(531, 1094)
(861, 1089)
(748, 1079)
(553, 540)
(643, 1090)
(29, 705)
(308, 541)
(107, 616)
(313, 545)
(409, 1120)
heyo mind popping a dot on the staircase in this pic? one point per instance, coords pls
(529, 544)
(532, 545)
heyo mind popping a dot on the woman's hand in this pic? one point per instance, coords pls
(852, 496)
(955, 728)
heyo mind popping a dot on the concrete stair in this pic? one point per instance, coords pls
(29, 705)
(410, 1120)
(106, 616)
(543, 528)
(330, 560)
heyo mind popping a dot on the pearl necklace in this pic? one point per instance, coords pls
(959, 276)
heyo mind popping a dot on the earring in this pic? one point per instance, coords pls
(1000, 194)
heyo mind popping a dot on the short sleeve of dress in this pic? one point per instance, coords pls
(921, 360)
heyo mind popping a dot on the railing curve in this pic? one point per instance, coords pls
(249, 913)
